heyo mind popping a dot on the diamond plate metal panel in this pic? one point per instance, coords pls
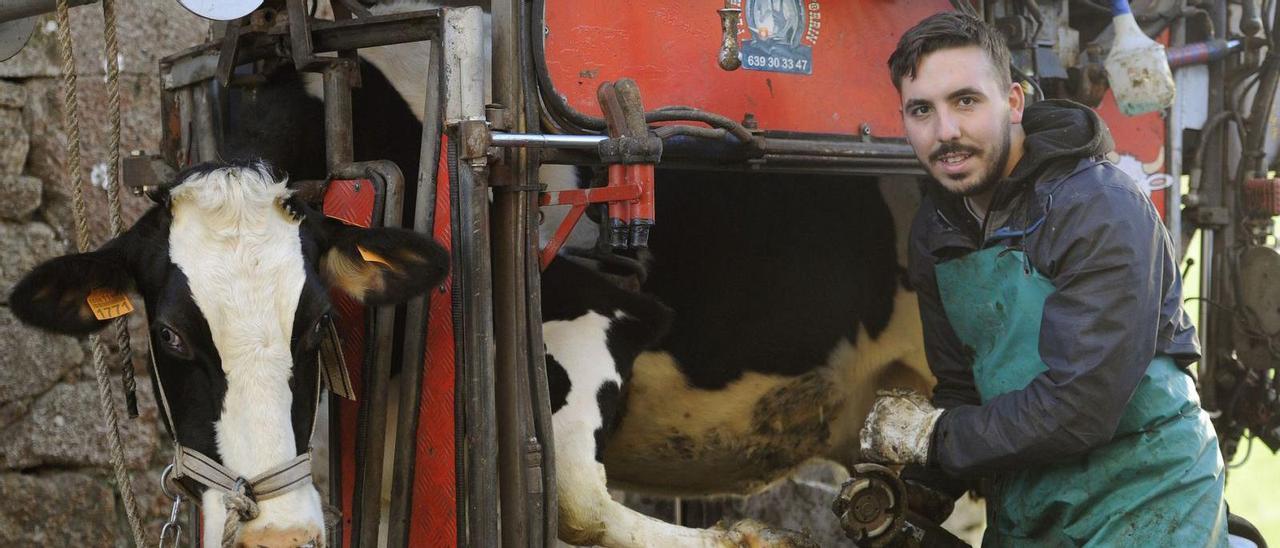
(351, 201)
(435, 501)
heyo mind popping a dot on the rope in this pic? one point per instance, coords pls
(113, 192)
(240, 508)
(72, 118)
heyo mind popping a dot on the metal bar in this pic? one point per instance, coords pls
(509, 291)
(1260, 115)
(379, 30)
(477, 360)
(773, 146)
(1173, 151)
(534, 140)
(337, 114)
(540, 391)
(820, 147)
(417, 318)
(384, 339)
(203, 123)
(200, 62)
(171, 127)
(562, 233)
(1216, 327)
(464, 100)
(11, 10)
(299, 36)
(371, 428)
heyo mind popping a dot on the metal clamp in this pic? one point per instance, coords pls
(474, 138)
(172, 529)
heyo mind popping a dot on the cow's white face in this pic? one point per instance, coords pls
(236, 290)
(242, 257)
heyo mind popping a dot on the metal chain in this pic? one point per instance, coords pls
(72, 119)
(113, 192)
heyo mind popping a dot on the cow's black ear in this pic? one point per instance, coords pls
(381, 265)
(54, 296)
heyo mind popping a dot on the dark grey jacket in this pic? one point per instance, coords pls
(1116, 304)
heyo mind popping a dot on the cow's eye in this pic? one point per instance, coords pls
(173, 341)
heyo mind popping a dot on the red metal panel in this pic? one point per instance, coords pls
(670, 49)
(1141, 139)
(435, 501)
(351, 201)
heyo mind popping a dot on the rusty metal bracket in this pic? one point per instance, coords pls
(302, 52)
(474, 139)
(227, 54)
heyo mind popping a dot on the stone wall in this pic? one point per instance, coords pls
(54, 462)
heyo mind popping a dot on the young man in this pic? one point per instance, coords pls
(1051, 305)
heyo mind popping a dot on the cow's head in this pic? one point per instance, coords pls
(236, 291)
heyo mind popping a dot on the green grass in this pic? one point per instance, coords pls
(1253, 491)
(1253, 488)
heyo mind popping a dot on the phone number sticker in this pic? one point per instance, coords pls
(779, 35)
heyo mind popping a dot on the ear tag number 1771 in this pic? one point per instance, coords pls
(107, 304)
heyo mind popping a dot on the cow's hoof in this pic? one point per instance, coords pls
(750, 533)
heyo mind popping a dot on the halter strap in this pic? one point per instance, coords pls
(280, 479)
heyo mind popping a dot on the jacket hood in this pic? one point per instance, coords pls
(1057, 129)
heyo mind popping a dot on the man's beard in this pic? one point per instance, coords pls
(993, 172)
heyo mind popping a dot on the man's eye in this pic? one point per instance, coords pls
(919, 111)
(968, 101)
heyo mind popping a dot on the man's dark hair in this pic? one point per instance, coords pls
(946, 30)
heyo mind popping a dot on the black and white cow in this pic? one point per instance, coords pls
(773, 310)
(235, 277)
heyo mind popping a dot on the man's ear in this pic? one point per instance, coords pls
(1017, 102)
(381, 265)
(55, 295)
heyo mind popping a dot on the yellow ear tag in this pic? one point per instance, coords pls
(371, 257)
(107, 304)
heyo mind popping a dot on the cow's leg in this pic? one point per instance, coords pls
(586, 395)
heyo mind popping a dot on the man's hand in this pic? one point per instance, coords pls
(898, 429)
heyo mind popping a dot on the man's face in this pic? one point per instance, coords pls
(958, 118)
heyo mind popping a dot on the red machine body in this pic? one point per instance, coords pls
(671, 51)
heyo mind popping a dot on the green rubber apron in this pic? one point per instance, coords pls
(1158, 482)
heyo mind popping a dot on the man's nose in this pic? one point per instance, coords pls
(948, 127)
